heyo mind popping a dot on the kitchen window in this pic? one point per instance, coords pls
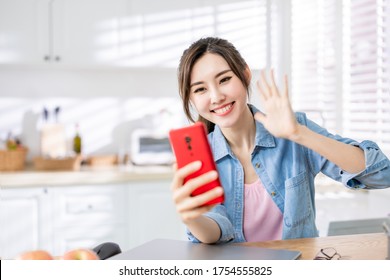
(340, 66)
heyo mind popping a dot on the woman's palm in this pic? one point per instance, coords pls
(279, 118)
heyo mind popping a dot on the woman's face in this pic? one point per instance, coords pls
(216, 92)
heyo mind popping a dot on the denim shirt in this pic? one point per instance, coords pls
(287, 171)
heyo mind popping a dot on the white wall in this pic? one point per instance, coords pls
(107, 103)
(66, 81)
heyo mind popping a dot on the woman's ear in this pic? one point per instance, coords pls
(248, 74)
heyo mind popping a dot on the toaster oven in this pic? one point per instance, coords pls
(150, 147)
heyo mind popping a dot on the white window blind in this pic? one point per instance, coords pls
(340, 66)
(314, 69)
(366, 73)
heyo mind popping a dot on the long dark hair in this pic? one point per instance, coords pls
(191, 55)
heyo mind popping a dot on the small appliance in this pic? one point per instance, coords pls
(150, 147)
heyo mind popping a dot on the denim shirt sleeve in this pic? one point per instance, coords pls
(376, 174)
(218, 214)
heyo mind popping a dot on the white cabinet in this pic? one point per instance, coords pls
(60, 218)
(128, 215)
(129, 33)
(75, 32)
(126, 33)
(152, 213)
(24, 221)
(86, 32)
(23, 31)
(85, 216)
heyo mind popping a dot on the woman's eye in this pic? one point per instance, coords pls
(223, 80)
(199, 90)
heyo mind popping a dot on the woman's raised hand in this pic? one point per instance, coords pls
(279, 118)
(191, 207)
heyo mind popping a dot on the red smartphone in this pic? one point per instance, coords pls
(190, 144)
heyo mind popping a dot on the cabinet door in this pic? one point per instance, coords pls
(76, 32)
(87, 215)
(88, 205)
(23, 31)
(89, 236)
(152, 213)
(87, 32)
(23, 220)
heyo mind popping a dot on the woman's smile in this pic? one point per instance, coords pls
(223, 110)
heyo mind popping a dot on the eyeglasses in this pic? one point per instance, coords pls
(327, 254)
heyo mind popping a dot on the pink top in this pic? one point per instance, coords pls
(263, 220)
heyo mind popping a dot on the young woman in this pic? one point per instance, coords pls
(267, 161)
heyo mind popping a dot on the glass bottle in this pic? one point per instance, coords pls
(77, 141)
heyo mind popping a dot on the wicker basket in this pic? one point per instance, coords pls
(65, 164)
(13, 160)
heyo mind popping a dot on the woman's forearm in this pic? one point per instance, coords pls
(204, 229)
(347, 157)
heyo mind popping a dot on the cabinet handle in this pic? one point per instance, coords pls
(57, 58)
(46, 57)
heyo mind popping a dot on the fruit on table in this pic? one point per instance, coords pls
(76, 254)
(80, 254)
(35, 255)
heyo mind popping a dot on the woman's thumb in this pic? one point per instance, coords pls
(260, 117)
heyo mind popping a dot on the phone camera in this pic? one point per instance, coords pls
(188, 139)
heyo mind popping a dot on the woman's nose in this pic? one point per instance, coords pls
(216, 96)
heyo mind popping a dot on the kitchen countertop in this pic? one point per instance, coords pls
(87, 175)
(112, 174)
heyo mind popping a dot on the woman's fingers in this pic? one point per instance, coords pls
(263, 96)
(264, 86)
(182, 173)
(192, 203)
(268, 89)
(275, 90)
(285, 91)
(260, 117)
(192, 184)
(188, 206)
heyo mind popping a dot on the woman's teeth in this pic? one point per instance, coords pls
(223, 110)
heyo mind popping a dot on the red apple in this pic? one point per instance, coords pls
(35, 255)
(80, 254)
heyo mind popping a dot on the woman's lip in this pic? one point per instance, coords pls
(222, 110)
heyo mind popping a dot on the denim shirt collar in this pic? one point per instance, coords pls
(220, 147)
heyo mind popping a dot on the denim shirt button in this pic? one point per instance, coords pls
(257, 165)
(273, 193)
